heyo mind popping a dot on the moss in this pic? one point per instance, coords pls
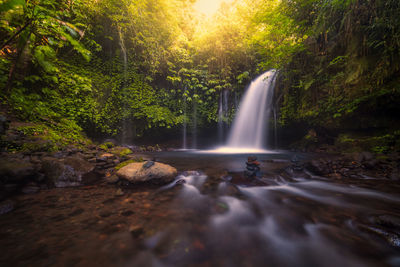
(103, 146)
(42, 137)
(123, 164)
(121, 151)
(378, 144)
(106, 145)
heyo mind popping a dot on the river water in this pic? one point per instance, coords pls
(210, 216)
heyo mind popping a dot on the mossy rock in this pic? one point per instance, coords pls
(377, 144)
(106, 145)
(120, 151)
(123, 164)
(41, 137)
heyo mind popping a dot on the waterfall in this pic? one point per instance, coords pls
(250, 127)
(184, 145)
(194, 126)
(126, 127)
(225, 108)
(222, 114)
(220, 120)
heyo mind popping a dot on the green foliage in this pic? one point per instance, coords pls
(116, 67)
(106, 145)
(345, 67)
(50, 136)
(378, 144)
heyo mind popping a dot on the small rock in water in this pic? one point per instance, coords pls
(148, 164)
(191, 173)
(364, 156)
(119, 192)
(30, 189)
(180, 181)
(296, 165)
(136, 230)
(112, 179)
(6, 206)
(226, 178)
(252, 168)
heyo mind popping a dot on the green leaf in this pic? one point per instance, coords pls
(11, 4)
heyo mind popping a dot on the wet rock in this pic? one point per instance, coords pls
(108, 166)
(105, 214)
(30, 188)
(148, 164)
(6, 206)
(76, 212)
(316, 167)
(91, 178)
(92, 160)
(112, 179)
(158, 172)
(391, 237)
(107, 155)
(67, 172)
(180, 181)
(370, 164)
(119, 192)
(228, 189)
(16, 170)
(136, 230)
(127, 213)
(395, 174)
(227, 178)
(364, 156)
(389, 221)
(191, 173)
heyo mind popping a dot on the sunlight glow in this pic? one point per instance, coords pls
(209, 7)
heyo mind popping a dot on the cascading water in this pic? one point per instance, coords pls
(275, 128)
(250, 127)
(184, 145)
(222, 114)
(194, 125)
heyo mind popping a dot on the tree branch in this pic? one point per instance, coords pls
(15, 34)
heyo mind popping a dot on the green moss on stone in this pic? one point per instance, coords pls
(125, 163)
(120, 151)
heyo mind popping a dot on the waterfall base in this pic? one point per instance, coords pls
(237, 150)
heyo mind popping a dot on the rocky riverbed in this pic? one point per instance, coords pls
(306, 205)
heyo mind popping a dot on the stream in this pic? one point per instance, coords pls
(210, 216)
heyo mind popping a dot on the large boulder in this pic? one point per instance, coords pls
(13, 170)
(66, 172)
(148, 171)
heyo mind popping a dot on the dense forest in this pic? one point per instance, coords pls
(200, 133)
(128, 69)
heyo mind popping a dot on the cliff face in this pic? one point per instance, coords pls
(344, 84)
